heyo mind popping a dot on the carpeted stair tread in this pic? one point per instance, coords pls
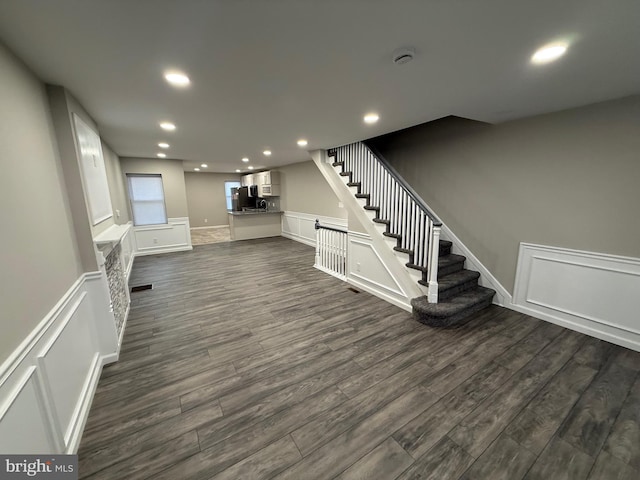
(391, 235)
(371, 207)
(345, 174)
(445, 247)
(455, 283)
(382, 220)
(403, 250)
(448, 264)
(453, 311)
(363, 195)
(337, 164)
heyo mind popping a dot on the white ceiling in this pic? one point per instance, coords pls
(267, 72)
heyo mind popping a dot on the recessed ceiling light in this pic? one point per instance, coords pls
(170, 127)
(371, 118)
(163, 145)
(267, 152)
(245, 159)
(161, 155)
(237, 170)
(197, 169)
(549, 53)
(204, 165)
(177, 79)
(250, 167)
(302, 142)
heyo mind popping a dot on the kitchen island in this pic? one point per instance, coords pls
(255, 224)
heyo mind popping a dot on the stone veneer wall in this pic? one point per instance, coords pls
(117, 286)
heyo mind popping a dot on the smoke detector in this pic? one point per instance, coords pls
(403, 55)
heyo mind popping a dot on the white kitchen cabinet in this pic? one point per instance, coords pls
(247, 180)
(270, 177)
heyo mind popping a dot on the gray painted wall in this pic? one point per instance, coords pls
(39, 260)
(172, 179)
(567, 179)
(304, 190)
(117, 186)
(206, 198)
(63, 106)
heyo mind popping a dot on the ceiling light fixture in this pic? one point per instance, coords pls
(267, 152)
(177, 79)
(245, 159)
(204, 165)
(371, 118)
(168, 126)
(250, 167)
(197, 169)
(161, 155)
(238, 170)
(302, 142)
(163, 145)
(549, 53)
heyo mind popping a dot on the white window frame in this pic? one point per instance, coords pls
(132, 201)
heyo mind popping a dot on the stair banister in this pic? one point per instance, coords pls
(409, 220)
(331, 250)
(410, 191)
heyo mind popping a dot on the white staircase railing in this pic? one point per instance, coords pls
(397, 205)
(331, 251)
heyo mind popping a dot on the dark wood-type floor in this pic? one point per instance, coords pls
(244, 362)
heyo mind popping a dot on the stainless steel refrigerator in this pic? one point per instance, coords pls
(240, 199)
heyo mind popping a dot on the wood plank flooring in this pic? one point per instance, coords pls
(244, 362)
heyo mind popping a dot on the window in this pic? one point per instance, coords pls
(147, 199)
(227, 191)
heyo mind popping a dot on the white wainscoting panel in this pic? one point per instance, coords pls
(593, 293)
(175, 236)
(367, 271)
(48, 382)
(24, 426)
(301, 226)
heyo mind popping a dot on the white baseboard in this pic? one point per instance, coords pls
(165, 249)
(48, 382)
(298, 238)
(212, 226)
(592, 293)
(380, 294)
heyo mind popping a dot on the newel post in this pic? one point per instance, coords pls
(317, 228)
(433, 264)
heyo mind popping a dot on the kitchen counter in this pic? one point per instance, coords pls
(255, 224)
(257, 212)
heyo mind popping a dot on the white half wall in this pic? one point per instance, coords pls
(175, 236)
(48, 383)
(592, 293)
(301, 226)
(365, 268)
(367, 271)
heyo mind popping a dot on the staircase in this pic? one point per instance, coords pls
(452, 292)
